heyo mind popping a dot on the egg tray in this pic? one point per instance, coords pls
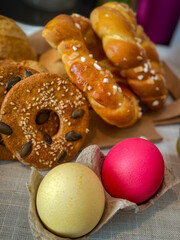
(93, 158)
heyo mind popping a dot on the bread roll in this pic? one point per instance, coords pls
(14, 43)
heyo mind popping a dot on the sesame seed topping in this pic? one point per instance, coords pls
(157, 88)
(105, 80)
(91, 55)
(155, 103)
(145, 67)
(89, 88)
(152, 71)
(140, 77)
(109, 94)
(83, 59)
(97, 66)
(120, 90)
(124, 59)
(114, 89)
(74, 48)
(77, 25)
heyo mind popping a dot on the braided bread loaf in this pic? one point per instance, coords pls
(13, 41)
(116, 105)
(145, 75)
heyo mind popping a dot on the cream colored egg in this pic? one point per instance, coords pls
(70, 200)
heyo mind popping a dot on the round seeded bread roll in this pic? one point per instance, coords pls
(22, 113)
(14, 43)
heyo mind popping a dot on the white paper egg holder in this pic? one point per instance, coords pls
(93, 158)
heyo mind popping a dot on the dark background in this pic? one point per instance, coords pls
(158, 25)
(22, 12)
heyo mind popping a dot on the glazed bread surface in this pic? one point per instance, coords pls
(116, 104)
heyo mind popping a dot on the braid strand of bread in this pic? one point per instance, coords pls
(116, 24)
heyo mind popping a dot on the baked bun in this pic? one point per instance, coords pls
(52, 62)
(22, 104)
(14, 43)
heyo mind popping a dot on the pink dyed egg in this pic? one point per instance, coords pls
(133, 169)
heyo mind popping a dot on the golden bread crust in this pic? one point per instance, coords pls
(5, 153)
